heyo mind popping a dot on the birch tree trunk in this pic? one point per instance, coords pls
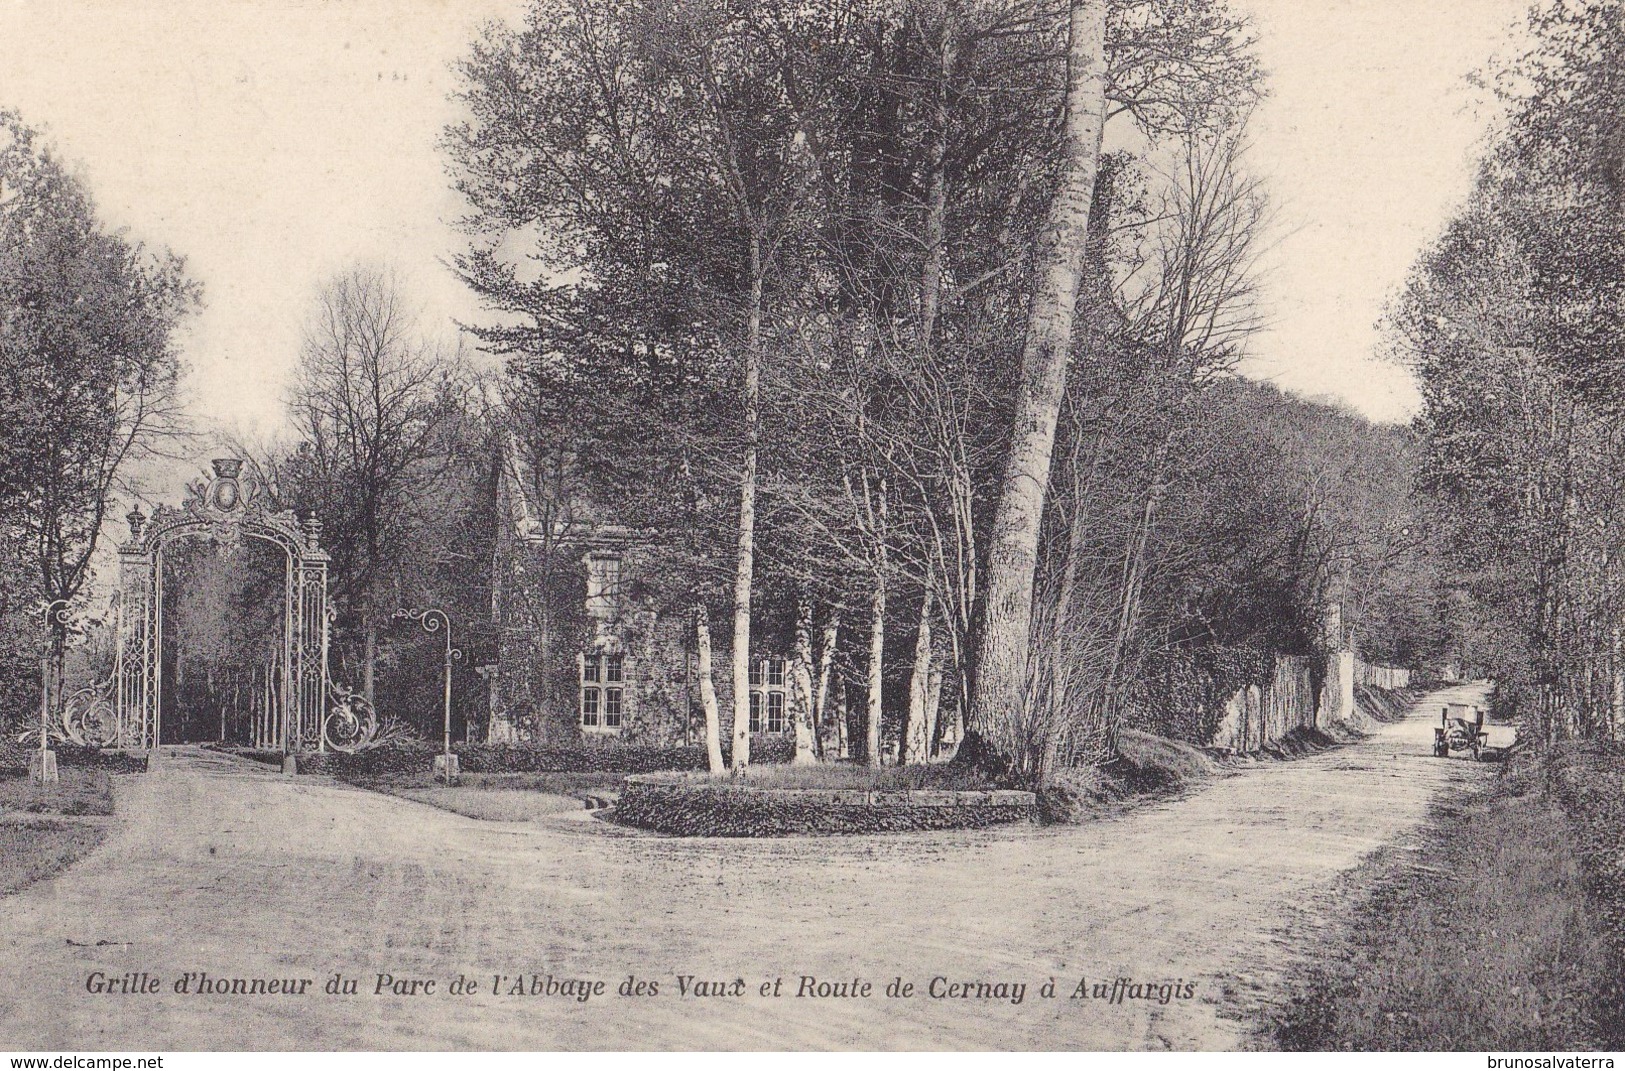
(916, 733)
(936, 198)
(369, 657)
(994, 723)
(1616, 698)
(747, 512)
(802, 686)
(708, 691)
(821, 703)
(877, 652)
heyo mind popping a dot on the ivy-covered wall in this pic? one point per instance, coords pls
(545, 627)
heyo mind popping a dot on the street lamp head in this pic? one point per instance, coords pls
(432, 619)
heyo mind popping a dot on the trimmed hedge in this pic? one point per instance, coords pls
(418, 757)
(722, 810)
(14, 758)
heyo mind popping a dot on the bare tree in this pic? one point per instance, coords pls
(370, 400)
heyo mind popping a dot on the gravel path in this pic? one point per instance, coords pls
(218, 866)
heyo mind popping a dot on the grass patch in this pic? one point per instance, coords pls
(561, 784)
(1589, 781)
(1385, 705)
(492, 805)
(1165, 760)
(81, 791)
(33, 851)
(511, 797)
(1146, 767)
(1485, 938)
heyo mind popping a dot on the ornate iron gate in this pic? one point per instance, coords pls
(226, 508)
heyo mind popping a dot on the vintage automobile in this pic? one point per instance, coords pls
(1460, 728)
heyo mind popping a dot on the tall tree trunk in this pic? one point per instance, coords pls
(708, 691)
(933, 707)
(1616, 698)
(999, 664)
(877, 655)
(747, 512)
(914, 746)
(936, 197)
(370, 657)
(916, 733)
(801, 679)
(826, 666)
(843, 731)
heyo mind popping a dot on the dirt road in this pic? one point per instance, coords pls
(218, 867)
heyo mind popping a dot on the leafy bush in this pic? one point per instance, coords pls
(700, 808)
(409, 757)
(14, 758)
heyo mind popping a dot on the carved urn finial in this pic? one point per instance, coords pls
(313, 532)
(137, 521)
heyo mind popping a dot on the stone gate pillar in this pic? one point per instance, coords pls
(1336, 700)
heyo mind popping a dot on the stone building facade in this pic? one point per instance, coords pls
(586, 654)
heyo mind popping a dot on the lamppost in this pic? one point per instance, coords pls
(435, 620)
(56, 615)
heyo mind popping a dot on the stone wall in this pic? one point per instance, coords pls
(1387, 677)
(1337, 691)
(1261, 714)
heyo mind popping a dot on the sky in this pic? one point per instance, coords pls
(1370, 138)
(275, 143)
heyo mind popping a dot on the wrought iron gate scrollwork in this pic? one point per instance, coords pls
(90, 716)
(225, 508)
(353, 724)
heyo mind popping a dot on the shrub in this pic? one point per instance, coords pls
(14, 758)
(698, 808)
(409, 757)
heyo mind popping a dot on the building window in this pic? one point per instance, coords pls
(768, 696)
(603, 699)
(603, 584)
